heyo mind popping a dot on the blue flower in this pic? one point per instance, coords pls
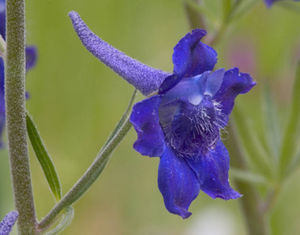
(31, 55)
(8, 222)
(180, 123)
(269, 3)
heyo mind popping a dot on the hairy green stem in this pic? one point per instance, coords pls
(15, 116)
(89, 177)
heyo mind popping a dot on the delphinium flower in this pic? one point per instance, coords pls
(31, 54)
(8, 222)
(269, 3)
(181, 122)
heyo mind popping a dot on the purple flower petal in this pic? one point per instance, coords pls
(8, 222)
(214, 82)
(31, 56)
(169, 83)
(146, 79)
(2, 102)
(177, 183)
(212, 171)
(234, 83)
(144, 118)
(1, 79)
(269, 2)
(192, 57)
(2, 18)
(2, 125)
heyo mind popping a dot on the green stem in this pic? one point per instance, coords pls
(196, 20)
(224, 26)
(15, 116)
(271, 199)
(250, 202)
(89, 177)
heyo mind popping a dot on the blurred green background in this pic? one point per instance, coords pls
(76, 101)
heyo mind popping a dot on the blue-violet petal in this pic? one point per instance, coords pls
(234, 83)
(2, 101)
(212, 171)
(31, 57)
(144, 118)
(2, 18)
(177, 183)
(192, 57)
(214, 82)
(269, 3)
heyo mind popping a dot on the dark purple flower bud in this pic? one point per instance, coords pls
(143, 77)
(8, 222)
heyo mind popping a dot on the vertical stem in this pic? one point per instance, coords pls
(250, 202)
(196, 20)
(15, 116)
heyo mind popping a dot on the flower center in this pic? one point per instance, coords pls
(191, 127)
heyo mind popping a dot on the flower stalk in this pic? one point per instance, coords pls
(90, 176)
(196, 20)
(15, 116)
(93, 172)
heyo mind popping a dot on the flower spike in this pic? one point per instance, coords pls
(143, 77)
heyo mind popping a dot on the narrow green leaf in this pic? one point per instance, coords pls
(252, 144)
(195, 18)
(65, 221)
(203, 11)
(43, 158)
(244, 8)
(291, 6)
(294, 165)
(95, 169)
(247, 176)
(271, 123)
(289, 142)
(227, 6)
